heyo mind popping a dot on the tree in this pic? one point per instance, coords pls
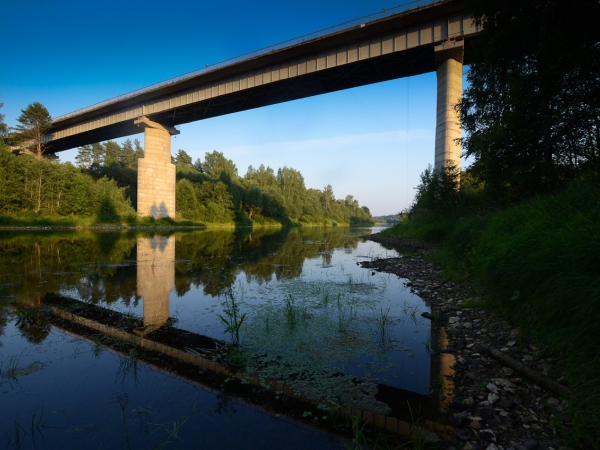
(328, 196)
(127, 156)
(184, 162)
(215, 165)
(34, 121)
(139, 151)
(112, 152)
(532, 106)
(88, 155)
(3, 126)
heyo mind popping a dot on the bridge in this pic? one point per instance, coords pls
(382, 47)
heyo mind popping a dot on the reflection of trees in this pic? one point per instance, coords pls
(100, 267)
(32, 264)
(214, 258)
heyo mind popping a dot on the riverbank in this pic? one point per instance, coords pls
(494, 405)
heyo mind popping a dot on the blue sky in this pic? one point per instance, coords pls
(371, 142)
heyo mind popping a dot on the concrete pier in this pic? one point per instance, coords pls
(156, 172)
(449, 64)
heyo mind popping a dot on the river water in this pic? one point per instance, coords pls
(107, 339)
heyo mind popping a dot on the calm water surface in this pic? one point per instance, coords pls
(293, 306)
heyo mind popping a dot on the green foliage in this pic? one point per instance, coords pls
(184, 162)
(34, 121)
(3, 128)
(537, 264)
(216, 166)
(49, 188)
(438, 190)
(105, 185)
(530, 112)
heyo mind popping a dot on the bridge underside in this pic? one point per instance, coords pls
(373, 70)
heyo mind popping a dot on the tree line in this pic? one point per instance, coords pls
(261, 195)
(103, 182)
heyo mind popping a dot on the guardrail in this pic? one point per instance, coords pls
(343, 26)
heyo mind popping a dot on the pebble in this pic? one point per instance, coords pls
(494, 408)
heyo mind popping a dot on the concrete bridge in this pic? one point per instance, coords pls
(381, 47)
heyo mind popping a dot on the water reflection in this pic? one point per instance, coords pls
(155, 278)
(306, 303)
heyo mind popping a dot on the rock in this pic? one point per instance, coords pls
(475, 425)
(493, 398)
(463, 435)
(507, 371)
(531, 444)
(468, 401)
(485, 411)
(488, 434)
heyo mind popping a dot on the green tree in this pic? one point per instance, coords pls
(127, 155)
(532, 106)
(328, 196)
(138, 149)
(184, 162)
(3, 126)
(34, 121)
(291, 183)
(89, 155)
(112, 152)
(215, 165)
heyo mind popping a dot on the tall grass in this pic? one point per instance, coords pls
(538, 264)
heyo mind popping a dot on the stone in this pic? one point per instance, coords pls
(475, 425)
(493, 398)
(531, 444)
(468, 401)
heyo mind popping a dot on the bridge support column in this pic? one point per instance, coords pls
(449, 62)
(156, 172)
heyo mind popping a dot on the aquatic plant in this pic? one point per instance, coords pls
(12, 368)
(232, 319)
(291, 311)
(346, 313)
(35, 425)
(383, 324)
(122, 400)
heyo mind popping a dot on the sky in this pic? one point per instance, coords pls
(371, 142)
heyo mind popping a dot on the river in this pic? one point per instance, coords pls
(202, 339)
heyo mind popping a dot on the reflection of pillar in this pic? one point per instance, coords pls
(156, 172)
(155, 278)
(449, 62)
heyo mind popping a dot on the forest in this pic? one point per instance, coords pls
(102, 184)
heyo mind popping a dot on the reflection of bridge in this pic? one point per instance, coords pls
(155, 278)
(155, 281)
(424, 39)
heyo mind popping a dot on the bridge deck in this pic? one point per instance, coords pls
(391, 47)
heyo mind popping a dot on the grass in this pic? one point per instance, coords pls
(32, 427)
(383, 324)
(536, 263)
(10, 371)
(232, 320)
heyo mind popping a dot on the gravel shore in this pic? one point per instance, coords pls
(507, 394)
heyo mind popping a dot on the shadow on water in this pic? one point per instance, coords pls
(181, 281)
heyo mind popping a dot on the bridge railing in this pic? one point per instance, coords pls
(343, 26)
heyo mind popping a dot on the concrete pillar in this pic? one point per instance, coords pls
(449, 62)
(155, 278)
(156, 173)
